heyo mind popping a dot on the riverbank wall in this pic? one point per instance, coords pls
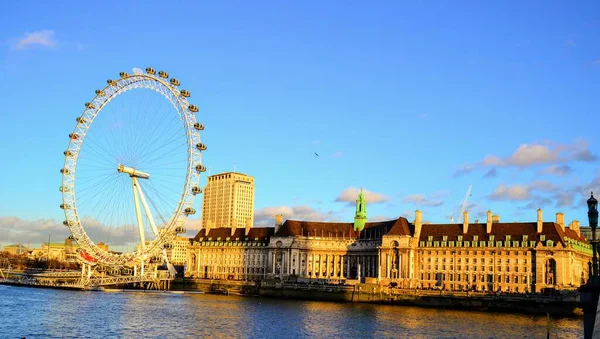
(562, 305)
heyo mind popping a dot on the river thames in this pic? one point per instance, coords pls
(47, 313)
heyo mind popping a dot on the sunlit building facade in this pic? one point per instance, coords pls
(178, 253)
(228, 201)
(492, 256)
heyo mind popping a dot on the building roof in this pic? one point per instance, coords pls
(224, 173)
(262, 233)
(516, 230)
(399, 226)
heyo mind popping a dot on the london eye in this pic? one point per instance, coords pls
(132, 170)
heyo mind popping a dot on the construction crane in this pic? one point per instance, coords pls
(463, 206)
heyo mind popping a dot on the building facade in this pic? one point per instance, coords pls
(230, 253)
(228, 201)
(177, 254)
(492, 256)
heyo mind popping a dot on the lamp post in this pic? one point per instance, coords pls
(593, 220)
(589, 293)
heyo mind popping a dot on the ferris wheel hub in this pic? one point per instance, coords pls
(132, 172)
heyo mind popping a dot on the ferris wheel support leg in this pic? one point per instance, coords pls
(138, 213)
(146, 208)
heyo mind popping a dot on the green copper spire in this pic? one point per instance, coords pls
(360, 217)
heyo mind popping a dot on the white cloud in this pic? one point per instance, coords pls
(350, 194)
(19, 231)
(491, 173)
(537, 154)
(433, 200)
(527, 155)
(464, 169)
(516, 192)
(43, 38)
(266, 216)
(560, 170)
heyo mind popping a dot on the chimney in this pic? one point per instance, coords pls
(575, 226)
(248, 226)
(560, 220)
(466, 222)
(490, 220)
(496, 218)
(278, 222)
(540, 220)
(418, 223)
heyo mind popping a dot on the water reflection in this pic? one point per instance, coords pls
(37, 313)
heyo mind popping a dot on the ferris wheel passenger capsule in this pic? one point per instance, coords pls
(200, 146)
(68, 153)
(73, 136)
(196, 190)
(200, 168)
(198, 126)
(190, 211)
(193, 108)
(180, 229)
(64, 189)
(150, 70)
(111, 82)
(89, 105)
(185, 93)
(100, 93)
(123, 75)
(68, 223)
(174, 82)
(65, 171)
(168, 246)
(163, 74)
(65, 206)
(81, 120)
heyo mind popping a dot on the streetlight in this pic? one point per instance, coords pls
(593, 220)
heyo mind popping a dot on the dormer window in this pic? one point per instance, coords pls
(445, 238)
(475, 238)
(460, 238)
(542, 237)
(430, 238)
(508, 238)
(525, 238)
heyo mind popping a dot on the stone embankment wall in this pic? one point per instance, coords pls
(371, 293)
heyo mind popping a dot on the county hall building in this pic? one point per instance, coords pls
(490, 256)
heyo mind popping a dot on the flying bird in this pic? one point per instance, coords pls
(316, 155)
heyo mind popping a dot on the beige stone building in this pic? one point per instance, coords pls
(229, 253)
(491, 256)
(178, 253)
(228, 201)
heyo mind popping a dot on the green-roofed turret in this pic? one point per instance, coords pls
(360, 217)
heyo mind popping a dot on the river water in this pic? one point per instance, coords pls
(46, 313)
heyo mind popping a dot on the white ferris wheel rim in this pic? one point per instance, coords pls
(178, 99)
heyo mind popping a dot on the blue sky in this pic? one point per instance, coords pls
(412, 101)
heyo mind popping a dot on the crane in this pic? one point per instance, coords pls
(463, 206)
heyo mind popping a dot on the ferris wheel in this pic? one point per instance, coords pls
(132, 170)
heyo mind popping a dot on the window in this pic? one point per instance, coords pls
(543, 237)
(475, 238)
